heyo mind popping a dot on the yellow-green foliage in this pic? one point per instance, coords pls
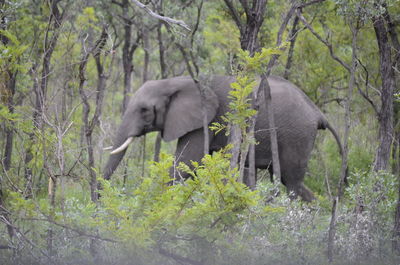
(11, 53)
(222, 38)
(87, 19)
(257, 64)
(203, 206)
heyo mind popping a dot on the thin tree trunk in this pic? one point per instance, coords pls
(252, 174)
(395, 153)
(396, 228)
(51, 193)
(161, 46)
(126, 55)
(164, 74)
(50, 42)
(146, 48)
(28, 155)
(292, 37)
(332, 225)
(264, 86)
(128, 50)
(248, 41)
(9, 131)
(89, 125)
(8, 85)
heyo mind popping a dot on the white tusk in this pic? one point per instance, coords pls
(107, 148)
(123, 146)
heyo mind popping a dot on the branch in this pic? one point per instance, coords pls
(365, 95)
(235, 15)
(20, 234)
(337, 100)
(101, 77)
(135, 45)
(282, 29)
(78, 231)
(246, 7)
(169, 20)
(327, 44)
(192, 38)
(117, 3)
(7, 247)
(311, 3)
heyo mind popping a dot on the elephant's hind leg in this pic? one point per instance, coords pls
(295, 186)
(292, 176)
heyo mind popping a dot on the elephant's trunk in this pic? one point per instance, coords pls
(121, 143)
(112, 163)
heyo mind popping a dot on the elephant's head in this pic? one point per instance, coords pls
(172, 106)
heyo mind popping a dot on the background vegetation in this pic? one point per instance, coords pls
(67, 69)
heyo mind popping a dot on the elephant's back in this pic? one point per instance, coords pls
(296, 118)
(290, 104)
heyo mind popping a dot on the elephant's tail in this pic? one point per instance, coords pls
(339, 143)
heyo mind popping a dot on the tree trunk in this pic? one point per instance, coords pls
(126, 55)
(396, 228)
(254, 20)
(128, 50)
(9, 131)
(145, 77)
(7, 86)
(164, 74)
(264, 86)
(292, 38)
(89, 125)
(396, 142)
(385, 118)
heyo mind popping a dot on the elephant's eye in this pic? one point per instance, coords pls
(146, 114)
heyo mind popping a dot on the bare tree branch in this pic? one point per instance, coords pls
(310, 3)
(327, 44)
(235, 15)
(169, 20)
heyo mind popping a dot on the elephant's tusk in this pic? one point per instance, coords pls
(108, 148)
(123, 146)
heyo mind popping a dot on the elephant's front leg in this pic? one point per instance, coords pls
(190, 147)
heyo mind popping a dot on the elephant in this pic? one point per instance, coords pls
(174, 107)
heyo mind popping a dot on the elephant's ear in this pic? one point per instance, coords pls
(184, 113)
